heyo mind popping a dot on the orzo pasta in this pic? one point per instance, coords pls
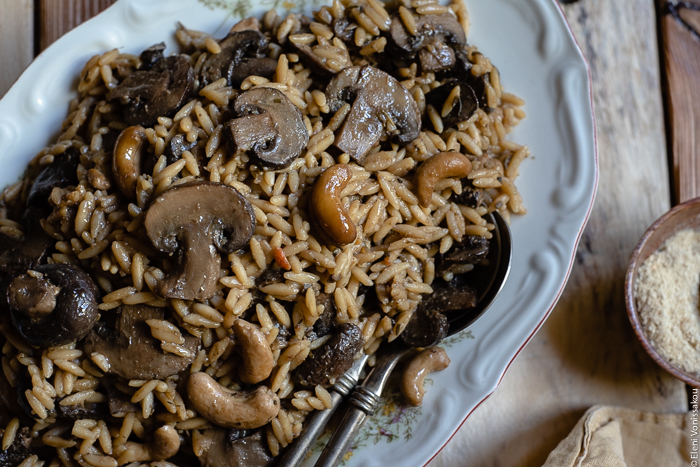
(217, 234)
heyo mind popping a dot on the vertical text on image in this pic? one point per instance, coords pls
(694, 428)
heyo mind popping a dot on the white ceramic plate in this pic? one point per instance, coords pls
(531, 44)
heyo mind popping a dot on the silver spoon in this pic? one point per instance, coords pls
(365, 398)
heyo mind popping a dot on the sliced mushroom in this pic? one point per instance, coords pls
(62, 172)
(18, 255)
(54, 304)
(462, 71)
(151, 55)
(433, 42)
(269, 127)
(380, 106)
(333, 359)
(470, 196)
(130, 350)
(18, 451)
(226, 449)
(160, 91)
(264, 67)
(426, 328)
(192, 221)
(177, 145)
(236, 47)
(471, 250)
(463, 105)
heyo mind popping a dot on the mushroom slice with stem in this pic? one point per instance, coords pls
(380, 106)
(132, 352)
(53, 304)
(192, 221)
(269, 127)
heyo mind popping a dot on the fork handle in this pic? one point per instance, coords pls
(363, 403)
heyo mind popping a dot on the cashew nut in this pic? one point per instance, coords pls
(126, 161)
(327, 208)
(165, 444)
(258, 360)
(232, 409)
(442, 165)
(429, 360)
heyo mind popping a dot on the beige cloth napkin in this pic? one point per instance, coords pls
(618, 437)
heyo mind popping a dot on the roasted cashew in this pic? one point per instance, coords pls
(258, 360)
(165, 444)
(441, 165)
(126, 161)
(333, 223)
(429, 360)
(232, 409)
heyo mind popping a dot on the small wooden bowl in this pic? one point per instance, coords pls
(683, 216)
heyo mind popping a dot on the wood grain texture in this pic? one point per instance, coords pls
(60, 16)
(586, 353)
(17, 46)
(680, 35)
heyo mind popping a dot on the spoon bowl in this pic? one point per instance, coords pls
(366, 397)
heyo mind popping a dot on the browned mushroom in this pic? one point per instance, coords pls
(462, 104)
(269, 127)
(433, 42)
(18, 451)
(159, 91)
(233, 448)
(190, 222)
(333, 359)
(53, 305)
(426, 328)
(380, 106)
(462, 72)
(242, 54)
(130, 350)
(471, 250)
(17, 255)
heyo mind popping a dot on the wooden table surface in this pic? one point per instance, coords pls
(585, 354)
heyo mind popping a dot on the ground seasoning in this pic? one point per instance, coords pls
(666, 291)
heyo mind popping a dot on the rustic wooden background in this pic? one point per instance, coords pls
(586, 353)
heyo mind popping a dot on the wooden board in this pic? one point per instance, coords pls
(60, 16)
(680, 35)
(586, 353)
(16, 22)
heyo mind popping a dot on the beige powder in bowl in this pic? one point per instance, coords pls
(666, 292)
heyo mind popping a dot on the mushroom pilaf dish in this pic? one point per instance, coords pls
(219, 232)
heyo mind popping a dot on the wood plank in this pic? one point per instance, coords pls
(60, 16)
(16, 22)
(586, 353)
(680, 35)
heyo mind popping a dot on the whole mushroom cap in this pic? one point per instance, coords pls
(192, 221)
(55, 305)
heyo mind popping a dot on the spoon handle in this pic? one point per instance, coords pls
(364, 401)
(297, 451)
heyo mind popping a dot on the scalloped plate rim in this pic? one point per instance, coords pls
(487, 388)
